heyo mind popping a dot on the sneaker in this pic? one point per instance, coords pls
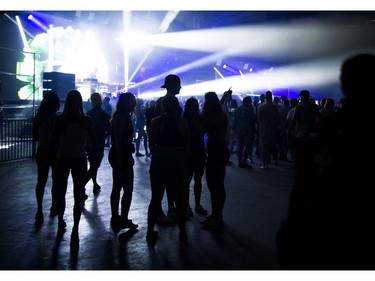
(118, 224)
(61, 225)
(128, 224)
(53, 210)
(152, 237)
(39, 218)
(164, 220)
(211, 222)
(200, 210)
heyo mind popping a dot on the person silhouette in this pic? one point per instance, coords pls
(267, 121)
(244, 120)
(140, 124)
(172, 83)
(42, 134)
(107, 107)
(121, 159)
(71, 132)
(215, 126)
(196, 155)
(102, 129)
(329, 223)
(169, 144)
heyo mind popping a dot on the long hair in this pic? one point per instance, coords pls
(211, 104)
(50, 103)
(122, 106)
(73, 103)
(191, 108)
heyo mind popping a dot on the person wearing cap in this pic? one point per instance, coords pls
(102, 129)
(172, 83)
(169, 144)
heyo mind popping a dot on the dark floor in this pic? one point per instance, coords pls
(256, 203)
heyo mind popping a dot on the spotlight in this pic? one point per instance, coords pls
(218, 72)
(230, 69)
(37, 22)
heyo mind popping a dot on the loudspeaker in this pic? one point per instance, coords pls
(58, 82)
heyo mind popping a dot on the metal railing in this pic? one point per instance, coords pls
(16, 139)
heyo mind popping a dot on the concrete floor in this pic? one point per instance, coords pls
(256, 204)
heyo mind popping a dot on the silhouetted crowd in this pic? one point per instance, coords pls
(328, 225)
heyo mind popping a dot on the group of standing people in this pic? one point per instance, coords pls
(273, 126)
(67, 142)
(329, 220)
(330, 213)
(62, 148)
(177, 146)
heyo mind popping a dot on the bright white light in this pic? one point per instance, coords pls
(37, 22)
(23, 36)
(72, 51)
(169, 17)
(126, 27)
(218, 72)
(6, 146)
(276, 42)
(298, 76)
(263, 41)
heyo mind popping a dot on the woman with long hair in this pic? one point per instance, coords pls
(72, 132)
(215, 125)
(196, 155)
(42, 134)
(122, 162)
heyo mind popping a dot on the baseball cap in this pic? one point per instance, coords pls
(171, 79)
